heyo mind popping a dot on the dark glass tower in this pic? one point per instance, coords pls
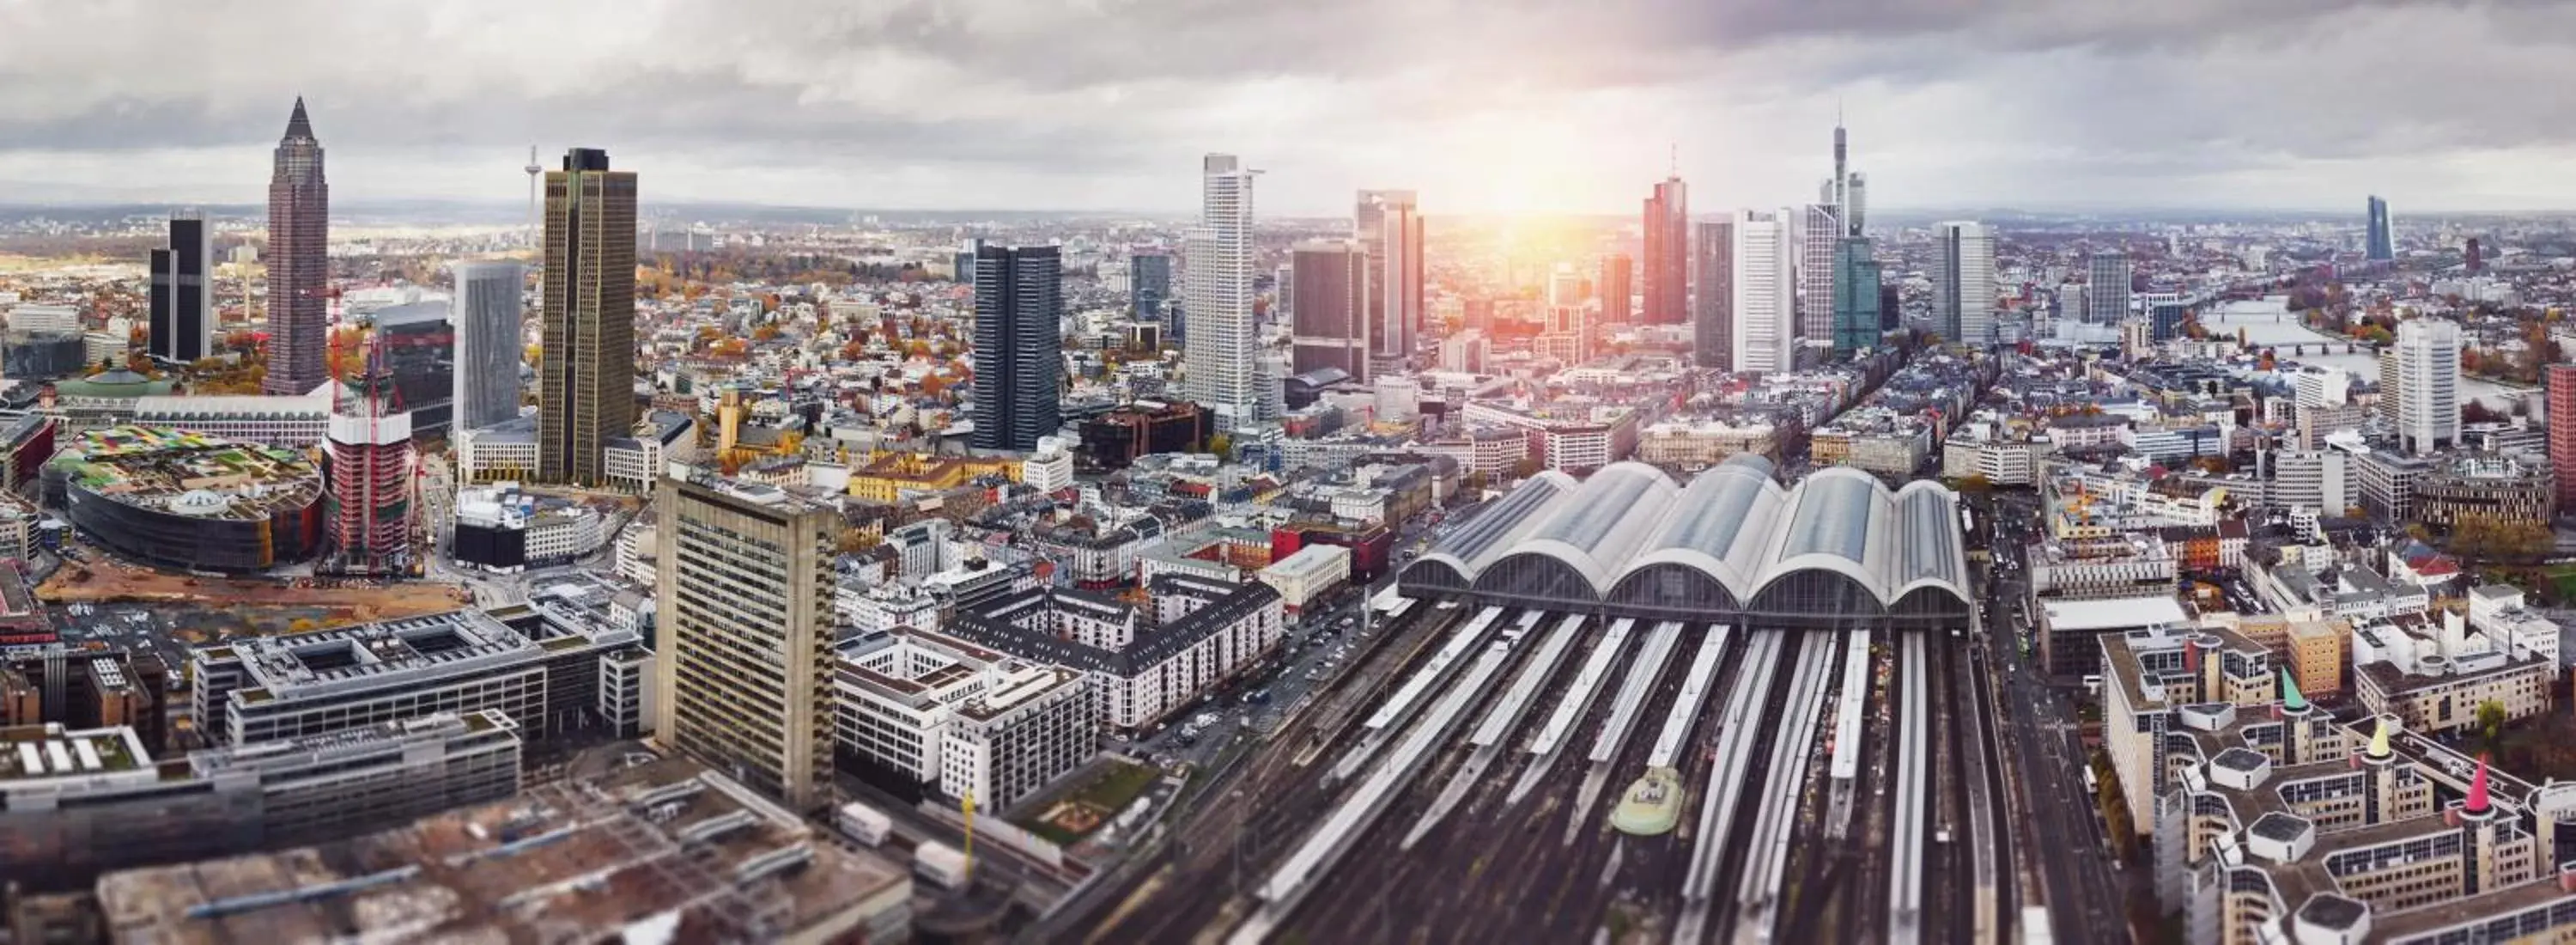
(1856, 296)
(586, 365)
(1713, 313)
(2382, 244)
(299, 274)
(1149, 282)
(1019, 367)
(182, 313)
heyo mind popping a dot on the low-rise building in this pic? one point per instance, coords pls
(665, 850)
(536, 662)
(76, 803)
(2070, 631)
(1031, 726)
(1311, 572)
(1205, 631)
(2499, 486)
(2435, 678)
(2137, 564)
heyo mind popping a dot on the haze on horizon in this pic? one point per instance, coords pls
(1505, 106)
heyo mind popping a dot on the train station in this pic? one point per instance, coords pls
(1838, 550)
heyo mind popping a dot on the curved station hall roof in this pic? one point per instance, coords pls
(1838, 549)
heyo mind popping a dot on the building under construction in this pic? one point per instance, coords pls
(368, 508)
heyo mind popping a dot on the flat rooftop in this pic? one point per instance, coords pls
(2113, 614)
(42, 752)
(372, 654)
(665, 846)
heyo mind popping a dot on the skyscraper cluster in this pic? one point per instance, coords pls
(299, 269)
(1217, 292)
(586, 366)
(1019, 329)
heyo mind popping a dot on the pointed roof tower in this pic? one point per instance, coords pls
(2477, 803)
(298, 126)
(2379, 741)
(2291, 699)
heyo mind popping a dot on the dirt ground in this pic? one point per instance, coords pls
(222, 607)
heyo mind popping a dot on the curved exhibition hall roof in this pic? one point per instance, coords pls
(1631, 540)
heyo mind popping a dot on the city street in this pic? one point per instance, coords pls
(2042, 742)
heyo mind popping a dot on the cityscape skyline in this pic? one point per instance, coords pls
(731, 126)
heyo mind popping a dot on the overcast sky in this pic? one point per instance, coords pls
(1482, 105)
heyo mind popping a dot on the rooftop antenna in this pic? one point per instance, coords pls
(1674, 169)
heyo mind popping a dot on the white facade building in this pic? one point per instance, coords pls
(1313, 570)
(1821, 227)
(2428, 385)
(1764, 291)
(1217, 293)
(1030, 726)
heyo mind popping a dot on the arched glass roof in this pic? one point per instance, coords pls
(1731, 523)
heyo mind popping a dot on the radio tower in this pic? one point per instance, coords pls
(369, 508)
(534, 169)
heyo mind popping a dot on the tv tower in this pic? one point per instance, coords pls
(534, 169)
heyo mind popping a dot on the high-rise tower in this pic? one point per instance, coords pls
(2428, 384)
(1330, 328)
(1963, 283)
(1618, 288)
(1149, 283)
(369, 511)
(299, 271)
(1765, 291)
(487, 312)
(1388, 225)
(1819, 228)
(536, 172)
(2106, 287)
(1713, 309)
(1217, 291)
(182, 322)
(1019, 330)
(586, 366)
(1667, 252)
(2379, 243)
(2561, 381)
(743, 656)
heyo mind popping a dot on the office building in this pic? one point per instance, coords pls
(1618, 288)
(1856, 296)
(2473, 257)
(745, 633)
(1019, 329)
(182, 324)
(368, 509)
(1217, 290)
(486, 314)
(1667, 252)
(1330, 326)
(1819, 230)
(1763, 269)
(2320, 480)
(2106, 287)
(1713, 307)
(586, 377)
(538, 663)
(1388, 224)
(2427, 384)
(75, 803)
(1963, 283)
(2379, 242)
(299, 272)
(1149, 284)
